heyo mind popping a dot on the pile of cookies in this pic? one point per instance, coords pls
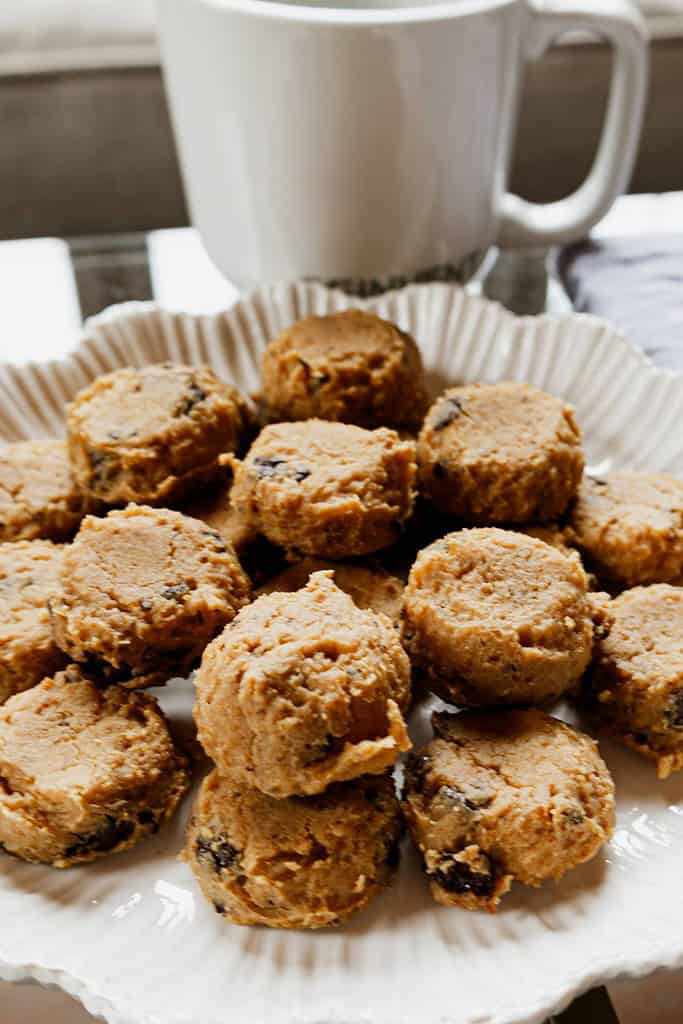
(326, 554)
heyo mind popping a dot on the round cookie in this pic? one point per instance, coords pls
(637, 677)
(505, 796)
(303, 690)
(326, 489)
(630, 526)
(496, 617)
(497, 453)
(146, 434)
(86, 771)
(38, 494)
(294, 863)
(353, 367)
(29, 573)
(142, 591)
(368, 586)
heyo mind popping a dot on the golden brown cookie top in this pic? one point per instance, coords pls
(38, 495)
(69, 735)
(631, 524)
(351, 366)
(645, 639)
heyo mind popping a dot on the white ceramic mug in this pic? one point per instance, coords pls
(374, 140)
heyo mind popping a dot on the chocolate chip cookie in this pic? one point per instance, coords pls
(630, 526)
(29, 573)
(142, 591)
(84, 771)
(368, 586)
(38, 493)
(303, 690)
(636, 683)
(295, 863)
(505, 796)
(496, 617)
(497, 453)
(147, 434)
(327, 489)
(353, 367)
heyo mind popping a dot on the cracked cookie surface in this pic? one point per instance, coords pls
(630, 525)
(500, 453)
(636, 683)
(330, 490)
(142, 591)
(294, 863)
(84, 771)
(505, 796)
(39, 497)
(302, 690)
(146, 434)
(29, 573)
(496, 617)
(352, 366)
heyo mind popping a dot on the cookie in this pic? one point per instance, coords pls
(39, 497)
(293, 863)
(505, 796)
(500, 453)
(146, 435)
(353, 367)
(303, 690)
(85, 771)
(326, 489)
(630, 526)
(496, 617)
(142, 591)
(29, 572)
(636, 682)
(368, 586)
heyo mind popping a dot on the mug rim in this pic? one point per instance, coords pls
(352, 16)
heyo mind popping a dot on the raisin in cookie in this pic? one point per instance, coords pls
(142, 591)
(368, 586)
(630, 526)
(84, 771)
(505, 796)
(353, 367)
(38, 494)
(146, 434)
(496, 617)
(637, 678)
(496, 453)
(326, 489)
(295, 863)
(303, 690)
(29, 573)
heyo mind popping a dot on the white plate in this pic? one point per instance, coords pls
(132, 937)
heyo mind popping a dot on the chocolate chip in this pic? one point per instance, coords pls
(446, 411)
(674, 713)
(299, 474)
(459, 877)
(267, 466)
(574, 816)
(176, 591)
(222, 854)
(106, 838)
(218, 907)
(439, 470)
(193, 397)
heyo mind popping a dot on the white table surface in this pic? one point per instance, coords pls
(183, 277)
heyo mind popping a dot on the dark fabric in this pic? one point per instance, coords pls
(637, 283)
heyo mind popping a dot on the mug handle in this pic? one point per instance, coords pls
(523, 223)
